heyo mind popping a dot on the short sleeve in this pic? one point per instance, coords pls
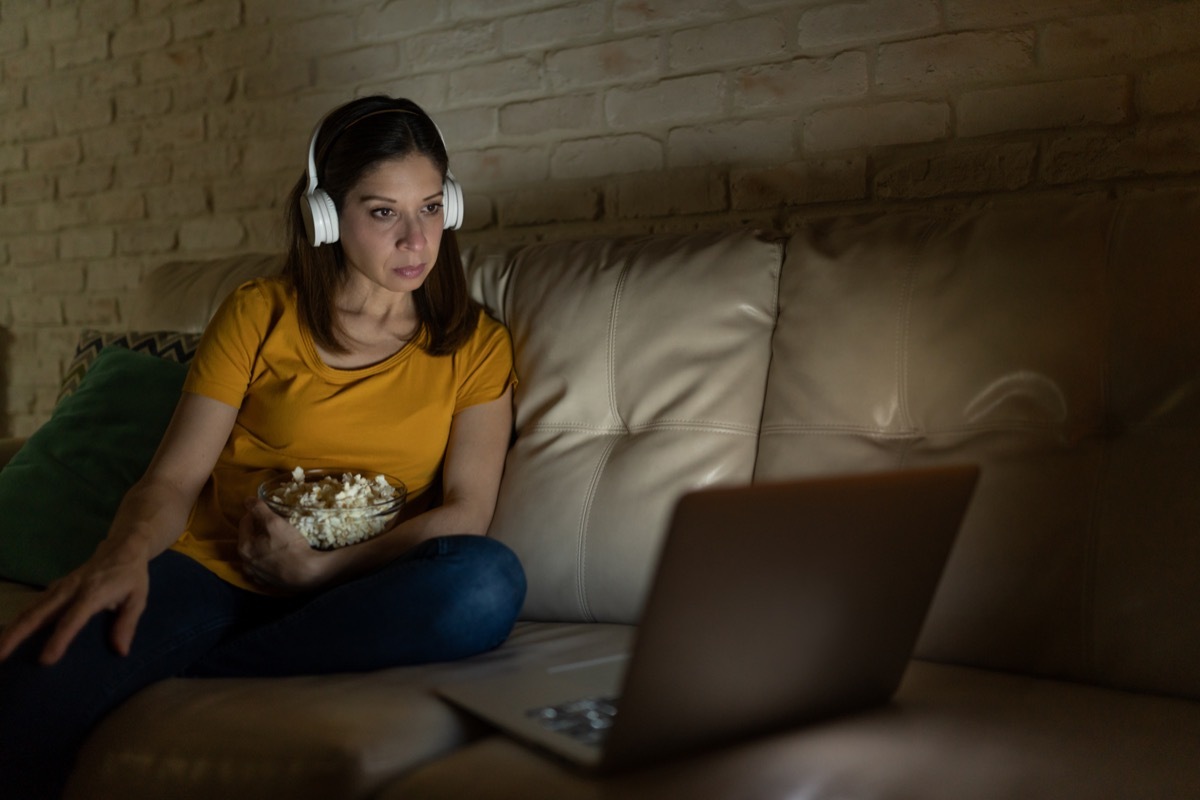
(486, 364)
(224, 361)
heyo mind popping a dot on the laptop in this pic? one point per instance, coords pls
(772, 605)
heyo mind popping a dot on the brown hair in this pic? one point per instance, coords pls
(352, 139)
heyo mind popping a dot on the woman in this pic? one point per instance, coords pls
(366, 353)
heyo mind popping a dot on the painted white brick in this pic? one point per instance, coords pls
(467, 127)
(64, 279)
(12, 158)
(876, 125)
(512, 77)
(676, 193)
(85, 181)
(176, 201)
(33, 248)
(569, 203)
(990, 13)
(296, 42)
(802, 82)
(78, 52)
(106, 15)
(140, 36)
(241, 48)
(953, 59)
(29, 63)
(611, 155)
(799, 183)
(27, 125)
(28, 189)
(212, 16)
(381, 21)
(632, 15)
(90, 310)
(973, 170)
(567, 113)
(677, 100)
(116, 207)
(462, 43)
(83, 114)
(62, 213)
(36, 310)
(1092, 43)
(170, 64)
(555, 27)
(143, 102)
(759, 39)
(50, 25)
(147, 238)
(742, 142)
(142, 170)
(1171, 89)
(612, 62)
(54, 154)
(172, 133)
(501, 167)
(112, 275)
(211, 234)
(866, 20)
(1088, 101)
(364, 63)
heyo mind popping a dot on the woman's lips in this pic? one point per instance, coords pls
(409, 272)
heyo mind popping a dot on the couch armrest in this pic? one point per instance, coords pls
(9, 448)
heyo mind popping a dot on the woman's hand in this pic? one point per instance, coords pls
(115, 578)
(274, 554)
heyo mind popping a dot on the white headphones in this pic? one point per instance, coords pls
(319, 212)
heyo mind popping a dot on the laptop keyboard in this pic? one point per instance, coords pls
(587, 721)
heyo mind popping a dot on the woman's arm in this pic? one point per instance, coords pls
(151, 516)
(275, 554)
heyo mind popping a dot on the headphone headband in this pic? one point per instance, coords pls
(318, 209)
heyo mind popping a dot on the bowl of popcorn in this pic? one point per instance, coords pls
(334, 507)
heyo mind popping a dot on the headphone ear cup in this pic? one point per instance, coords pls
(452, 204)
(320, 218)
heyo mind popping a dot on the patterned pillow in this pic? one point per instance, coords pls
(171, 345)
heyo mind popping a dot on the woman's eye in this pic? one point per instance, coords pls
(433, 208)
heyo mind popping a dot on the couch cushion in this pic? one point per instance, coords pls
(1052, 340)
(60, 491)
(951, 733)
(171, 345)
(335, 736)
(642, 364)
(183, 295)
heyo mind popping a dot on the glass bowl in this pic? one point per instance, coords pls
(335, 507)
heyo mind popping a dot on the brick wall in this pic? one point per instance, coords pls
(133, 132)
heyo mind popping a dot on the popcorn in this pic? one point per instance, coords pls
(336, 511)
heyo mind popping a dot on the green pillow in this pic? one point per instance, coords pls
(59, 492)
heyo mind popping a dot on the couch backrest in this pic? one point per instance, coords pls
(1054, 341)
(642, 366)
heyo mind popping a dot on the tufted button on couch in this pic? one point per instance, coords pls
(1052, 339)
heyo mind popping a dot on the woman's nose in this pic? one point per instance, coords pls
(411, 236)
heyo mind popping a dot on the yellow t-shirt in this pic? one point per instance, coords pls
(295, 410)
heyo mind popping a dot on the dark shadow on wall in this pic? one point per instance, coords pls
(6, 342)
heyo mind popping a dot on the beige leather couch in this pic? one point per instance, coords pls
(1051, 339)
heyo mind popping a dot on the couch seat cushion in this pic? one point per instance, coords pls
(952, 733)
(338, 736)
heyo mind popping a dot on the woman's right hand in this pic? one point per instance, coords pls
(115, 578)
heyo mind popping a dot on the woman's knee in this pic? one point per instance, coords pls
(481, 605)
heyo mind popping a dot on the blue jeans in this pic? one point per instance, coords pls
(444, 599)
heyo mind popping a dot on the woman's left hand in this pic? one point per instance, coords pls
(274, 554)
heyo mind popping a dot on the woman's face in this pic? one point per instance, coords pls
(391, 223)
